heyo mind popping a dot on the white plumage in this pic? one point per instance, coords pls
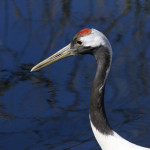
(114, 142)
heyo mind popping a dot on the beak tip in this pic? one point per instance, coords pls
(32, 69)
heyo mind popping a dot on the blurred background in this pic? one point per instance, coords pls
(49, 109)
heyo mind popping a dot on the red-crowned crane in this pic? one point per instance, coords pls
(91, 41)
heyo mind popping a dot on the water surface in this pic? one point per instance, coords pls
(48, 109)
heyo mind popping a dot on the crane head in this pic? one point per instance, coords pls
(84, 42)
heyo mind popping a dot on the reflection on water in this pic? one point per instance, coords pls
(49, 109)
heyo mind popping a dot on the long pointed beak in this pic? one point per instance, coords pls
(64, 52)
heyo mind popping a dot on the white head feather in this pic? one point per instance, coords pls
(95, 39)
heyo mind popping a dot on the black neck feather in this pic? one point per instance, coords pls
(97, 109)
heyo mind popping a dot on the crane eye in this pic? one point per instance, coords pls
(79, 42)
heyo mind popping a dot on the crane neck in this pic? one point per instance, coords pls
(97, 109)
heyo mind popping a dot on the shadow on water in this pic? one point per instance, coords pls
(49, 109)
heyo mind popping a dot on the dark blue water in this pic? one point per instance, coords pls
(48, 109)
